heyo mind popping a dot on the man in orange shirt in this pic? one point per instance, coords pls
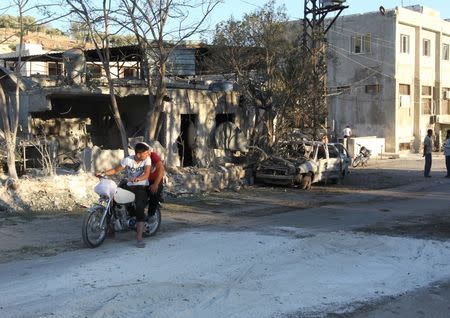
(156, 182)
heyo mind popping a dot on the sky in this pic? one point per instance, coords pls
(295, 7)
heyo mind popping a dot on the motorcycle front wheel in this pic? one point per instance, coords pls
(356, 161)
(93, 231)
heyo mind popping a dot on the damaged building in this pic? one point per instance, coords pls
(68, 103)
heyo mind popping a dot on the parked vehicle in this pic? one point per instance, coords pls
(114, 211)
(362, 158)
(304, 162)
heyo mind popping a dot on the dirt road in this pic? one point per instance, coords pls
(377, 243)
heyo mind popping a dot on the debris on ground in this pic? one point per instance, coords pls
(71, 192)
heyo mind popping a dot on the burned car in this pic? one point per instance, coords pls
(304, 162)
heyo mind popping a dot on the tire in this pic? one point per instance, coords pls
(93, 232)
(152, 224)
(356, 162)
(306, 181)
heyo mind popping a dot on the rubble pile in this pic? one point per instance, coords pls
(67, 193)
(62, 193)
(192, 180)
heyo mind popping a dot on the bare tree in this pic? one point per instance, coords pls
(160, 27)
(10, 98)
(97, 21)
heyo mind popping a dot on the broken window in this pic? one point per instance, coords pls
(344, 89)
(94, 70)
(373, 88)
(361, 44)
(130, 72)
(333, 152)
(404, 43)
(54, 68)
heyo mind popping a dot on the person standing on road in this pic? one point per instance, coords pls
(427, 150)
(447, 153)
(347, 132)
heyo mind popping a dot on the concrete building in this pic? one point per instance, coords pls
(28, 68)
(389, 75)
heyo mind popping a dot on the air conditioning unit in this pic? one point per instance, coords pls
(405, 101)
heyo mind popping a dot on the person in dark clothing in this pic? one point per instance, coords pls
(427, 152)
(156, 183)
(447, 153)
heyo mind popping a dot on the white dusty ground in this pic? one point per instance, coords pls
(222, 274)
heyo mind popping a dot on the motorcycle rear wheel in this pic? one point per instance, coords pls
(153, 223)
(93, 232)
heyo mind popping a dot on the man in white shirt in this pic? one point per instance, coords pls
(347, 132)
(137, 168)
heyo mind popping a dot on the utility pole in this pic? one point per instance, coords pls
(314, 53)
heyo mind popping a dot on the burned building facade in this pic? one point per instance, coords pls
(72, 108)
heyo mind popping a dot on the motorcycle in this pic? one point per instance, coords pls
(362, 158)
(114, 211)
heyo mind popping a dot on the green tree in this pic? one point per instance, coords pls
(262, 52)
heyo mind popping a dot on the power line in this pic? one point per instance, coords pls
(379, 72)
(372, 37)
(359, 33)
(362, 55)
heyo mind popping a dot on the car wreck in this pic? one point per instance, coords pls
(302, 162)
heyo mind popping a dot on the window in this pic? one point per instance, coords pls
(54, 68)
(427, 100)
(445, 52)
(445, 103)
(405, 89)
(333, 152)
(95, 70)
(426, 90)
(426, 50)
(344, 89)
(404, 43)
(361, 44)
(129, 72)
(373, 89)
(405, 92)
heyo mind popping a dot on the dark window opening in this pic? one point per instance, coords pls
(222, 118)
(130, 72)
(186, 141)
(405, 146)
(54, 68)
(95, 70)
